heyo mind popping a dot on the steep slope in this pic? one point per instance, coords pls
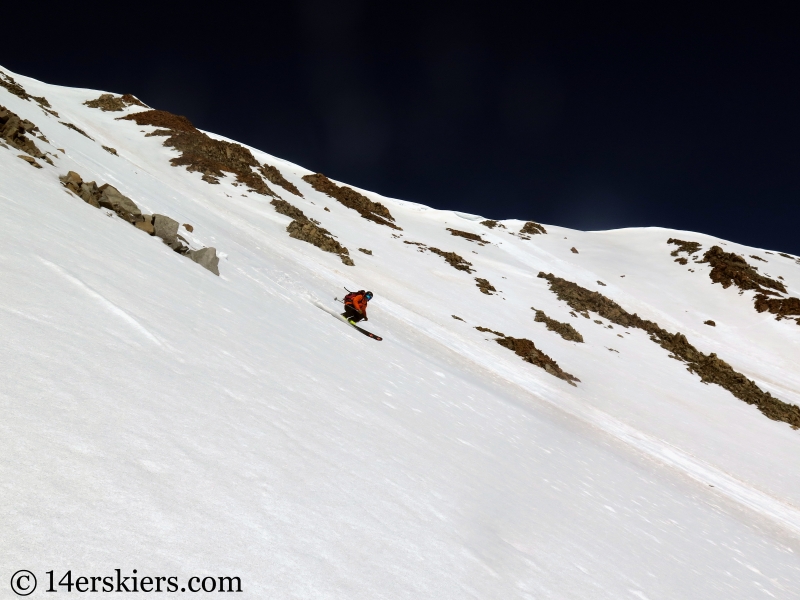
(159, 418)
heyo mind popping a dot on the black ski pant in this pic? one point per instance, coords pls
(352, 314)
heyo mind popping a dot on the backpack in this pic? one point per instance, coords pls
(351, 296)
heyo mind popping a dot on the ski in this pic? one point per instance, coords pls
(369, 334)
(365, 332)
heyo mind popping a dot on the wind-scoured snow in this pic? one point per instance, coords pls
(156, 417)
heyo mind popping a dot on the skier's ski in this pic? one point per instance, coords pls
(353, 325)
(364, 331)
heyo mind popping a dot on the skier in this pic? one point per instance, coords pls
(355, 306)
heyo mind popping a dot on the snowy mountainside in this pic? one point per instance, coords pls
(160, 418)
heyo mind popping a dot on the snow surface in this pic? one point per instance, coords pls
(156, 417)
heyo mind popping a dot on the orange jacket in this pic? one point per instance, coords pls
(359, 302)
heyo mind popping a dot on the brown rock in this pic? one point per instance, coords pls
(110, 197)
(146, 224)
(165, 228)
(206, 258)
(30, 161)
(532, 228)
(188, 227)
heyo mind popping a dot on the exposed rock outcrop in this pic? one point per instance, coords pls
(709, 367)
(308, 230)
(30, 161)
(14, 130)
(201, 153)
(565, 330)
(492, 224)
(319, 237)
(683, 246)
(472, 237)
(76, 128)
(453, 259)
(290, 210)
(372, 211)
(273, 175)
(166, 229)
(206, 258)
(484, 286)
(729, 269)
(110, 197)
(8, 82)
(532, 228)
(161, 226)
(526, 349)
(112, 103)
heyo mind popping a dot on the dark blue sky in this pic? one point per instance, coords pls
(591, 118)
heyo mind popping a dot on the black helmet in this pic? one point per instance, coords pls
(368, 295)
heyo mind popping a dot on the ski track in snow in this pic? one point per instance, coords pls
(103, 301)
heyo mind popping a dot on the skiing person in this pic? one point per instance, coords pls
(355, 306)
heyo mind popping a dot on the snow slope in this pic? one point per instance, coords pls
(156, 417)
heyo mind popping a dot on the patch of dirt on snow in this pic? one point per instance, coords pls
(365, 251)
(565, 330)
(458, 318)
(305, 229)
(76, 128)
(290, 210)
(731, 269)
(112, 103)
(273, 175)
(683, 246)
(453, 259)
(203, 154)
(472, 237)
(163, 119)
(110, 150)
(492, 224)
(14, 130)
(526, 349)
(532, 228)
(782, 307)
(484, 286)
(13, 87)
(372, 211)
(709, 367)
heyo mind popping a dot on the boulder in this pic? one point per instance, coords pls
(72, 180)
(146, 224)
(206, 257)
(89, 193)
(30, 161)
(126, 208)
(166, 229)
